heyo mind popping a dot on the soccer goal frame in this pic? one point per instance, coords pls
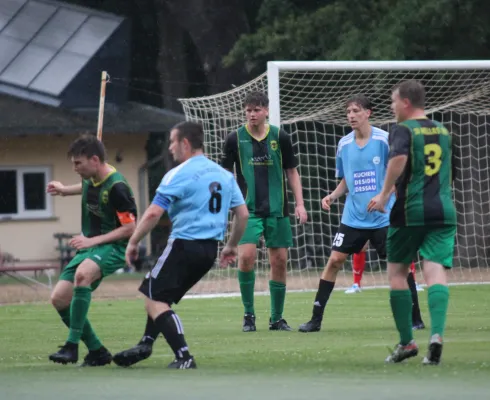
(307, 99)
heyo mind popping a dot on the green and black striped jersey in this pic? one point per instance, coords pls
(107, 205)
(259, 168)
(424, 190)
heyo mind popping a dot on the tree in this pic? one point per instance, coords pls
(359, 30)
(213, 26)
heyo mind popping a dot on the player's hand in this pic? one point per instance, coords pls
(228, 255)
(131, 253)
(378, 203)
(55, 188)
(301, 214)
(80, 242)
(326, 202)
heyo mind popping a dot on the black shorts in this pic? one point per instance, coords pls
(182, 264)
(351, 240)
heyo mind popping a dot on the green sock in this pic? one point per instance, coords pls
(65, 316)
(278, 295)
(438, 297)
(88, 335)
(78, 312)
(401, 306)
(247, 287)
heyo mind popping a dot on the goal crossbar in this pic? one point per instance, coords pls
(274, 68)
(378, 65)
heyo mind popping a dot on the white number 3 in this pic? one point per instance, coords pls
(338, 239)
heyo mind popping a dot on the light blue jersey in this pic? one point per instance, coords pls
(364, 170)
(197, 196)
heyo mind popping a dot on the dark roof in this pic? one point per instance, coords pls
(47, 45)
(51, 58)
(23, 117)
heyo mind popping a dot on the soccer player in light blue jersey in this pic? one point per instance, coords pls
(197, 195)
(362, 158)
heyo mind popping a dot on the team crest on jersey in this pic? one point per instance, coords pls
(105, 197)
(376, 160)
(273, 145)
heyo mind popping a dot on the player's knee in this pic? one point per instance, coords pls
(59, 300)
(398, 282)
(155, 308)
(336, 260)
(434, 273)
(397, 277)
(246, 262)
(279, 261)
(83, 278)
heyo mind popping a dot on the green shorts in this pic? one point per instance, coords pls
(435, 243)
(276, 230)
(108, 257)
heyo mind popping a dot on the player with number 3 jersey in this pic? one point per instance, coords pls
(423, 219)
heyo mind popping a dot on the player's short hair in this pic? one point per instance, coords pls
(256, 99)
(412, 90)
(87, 145)
(360, 100)
(193, 132)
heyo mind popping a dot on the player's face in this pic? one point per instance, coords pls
(176, 147)
(357, 116)
(398, 106)
(85, 167)
(256, 115)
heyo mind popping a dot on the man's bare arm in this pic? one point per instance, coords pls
(72, 190)
(239, 225)
(339, 191)
(56, 188)
(122, 232)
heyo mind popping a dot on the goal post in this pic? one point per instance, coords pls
(307, 99)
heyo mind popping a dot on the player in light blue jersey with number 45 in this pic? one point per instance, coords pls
(362, 158)
(197, 196)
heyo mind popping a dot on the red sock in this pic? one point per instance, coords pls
(358, 265)
(412, 269)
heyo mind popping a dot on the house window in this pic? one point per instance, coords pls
(23, 192)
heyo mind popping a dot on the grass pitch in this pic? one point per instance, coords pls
(345, 360)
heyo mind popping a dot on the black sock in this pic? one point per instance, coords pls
(169, 324)
(321, 299)
(416, 317)
(151, 332)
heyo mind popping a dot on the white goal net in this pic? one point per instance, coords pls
(308, 100)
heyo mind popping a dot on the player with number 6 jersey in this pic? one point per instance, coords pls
(197, 195)
(362, 158)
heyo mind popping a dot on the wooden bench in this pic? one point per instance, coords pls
(13, 272)
(8, 267)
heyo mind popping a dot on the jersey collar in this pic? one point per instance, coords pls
(267, 130)
(113, 171)
(368, 141)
